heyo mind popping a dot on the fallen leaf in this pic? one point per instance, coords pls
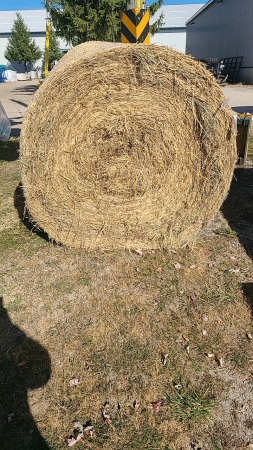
(71, 441)
(190, 298)
(78, 434)
(249, 336)
(219, 322)
(210, 355)
(106, 416)
(155, 405)
(185, 337)
(74, 381)
(206, 252)
(234, 270)
(159, 269)
(22, 363)
(138, 251)
(221, 362)
(89, 430)
(11, 417)
(164, 358)
(188, 349)
(78, 426)
(177, 266)
(204, 332)
(136, 405)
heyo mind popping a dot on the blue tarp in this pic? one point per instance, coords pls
(2, 73)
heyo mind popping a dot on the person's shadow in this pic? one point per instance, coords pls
(24, 364)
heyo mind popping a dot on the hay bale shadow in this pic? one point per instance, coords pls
(248, 293)
(238, 207)
(24, 365)
(9, 150)
(25, 216)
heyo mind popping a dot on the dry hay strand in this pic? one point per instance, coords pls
(126, 146)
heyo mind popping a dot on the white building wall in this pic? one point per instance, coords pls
(35, 20)
(40, 41)
(171, 38)
(3, 43)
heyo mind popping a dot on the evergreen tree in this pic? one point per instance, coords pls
(79, 21)
(21, 47)
(55, 52)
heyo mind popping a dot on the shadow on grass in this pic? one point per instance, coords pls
(238, 207)
(238, 211)
(9, 150)
(25, 217)
(24, 364)
(248, 292)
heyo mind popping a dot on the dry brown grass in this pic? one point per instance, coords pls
(126, 146)
(106, 317)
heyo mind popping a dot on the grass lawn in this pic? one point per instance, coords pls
(149, 350)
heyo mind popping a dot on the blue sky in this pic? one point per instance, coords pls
(37, 4)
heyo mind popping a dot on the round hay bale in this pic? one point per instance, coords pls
(126, 146)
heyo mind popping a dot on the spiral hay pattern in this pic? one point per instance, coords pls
(126, 146)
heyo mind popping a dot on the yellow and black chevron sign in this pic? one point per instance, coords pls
(135, 26)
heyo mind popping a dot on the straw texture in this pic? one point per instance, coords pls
(126, 146)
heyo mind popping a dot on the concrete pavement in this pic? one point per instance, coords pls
(15, 97)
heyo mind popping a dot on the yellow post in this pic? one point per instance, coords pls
(135, 23)
(47, 49)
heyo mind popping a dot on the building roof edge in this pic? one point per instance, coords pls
(200, 11)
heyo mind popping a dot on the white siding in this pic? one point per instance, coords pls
(172, 33)
(173, 38)
(173, 30)
(35, 20)
(40, 41)
(3, 43)
(176, 15)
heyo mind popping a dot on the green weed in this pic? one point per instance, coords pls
(190, 407)
(15, 305)
(85, 281)
(225, 231)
